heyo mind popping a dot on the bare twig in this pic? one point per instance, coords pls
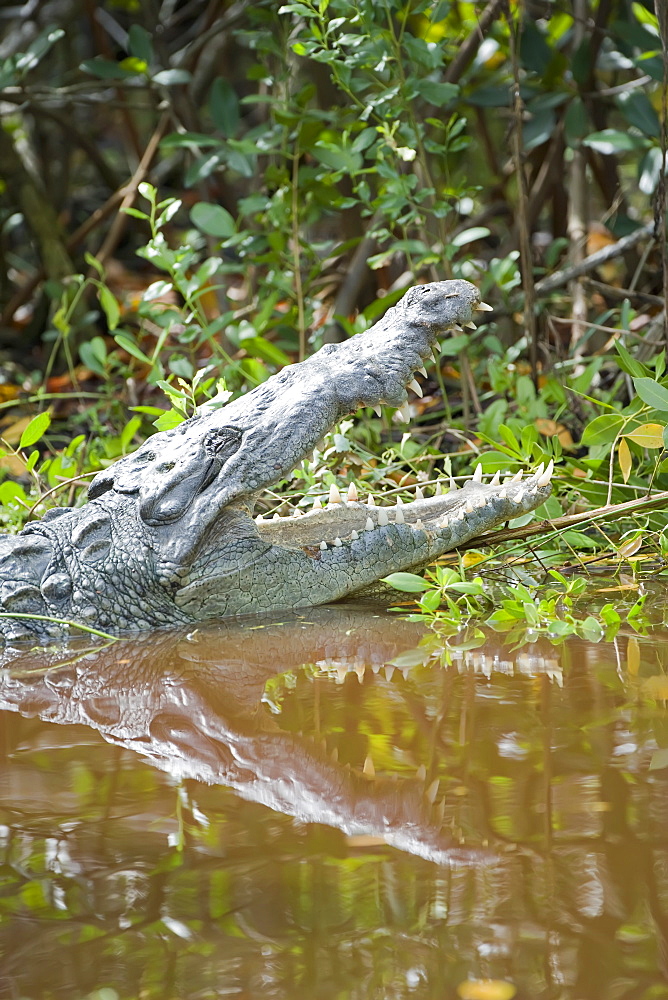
(470, 46)
(130, 192)
(629, 508)
(594, 260)
(522, 209)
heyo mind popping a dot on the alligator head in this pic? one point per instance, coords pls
(168, 535)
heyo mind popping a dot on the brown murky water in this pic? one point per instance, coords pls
(268, 810)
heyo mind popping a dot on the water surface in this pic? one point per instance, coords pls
(331, 805)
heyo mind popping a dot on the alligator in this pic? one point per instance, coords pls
(168, 536)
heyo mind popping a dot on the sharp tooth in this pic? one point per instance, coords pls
(389, 670)
(419, 495)
(369, 769)
(461, 515)
(484, 308)
(531, 492)
(334, 495)
(444, 522)
(334, 756)
(369, 526)
(423, 371)
(477, 474)
(432, 792)
(470, 326)
(518, 497)
(481, 502)
(338, 542)
(383, 519)
(456, 328)
(432, 357)
(370, 502)
(497, 479)
(438, 490)
(400, 502)
(276, 517)
(317, 504)
(405, 413)
(421, 773)
(352, 496)
(419, 526)
(502, 494)
(453, 485)
(517, 478)
(469, 507)
(398, 515)
(354, 535)
(416, 387)
(540, 470)
(377, 410)
(547, 475)
(323, 545)
(297, 512)
(259, 519)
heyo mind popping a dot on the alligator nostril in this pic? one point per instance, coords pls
(166, 466)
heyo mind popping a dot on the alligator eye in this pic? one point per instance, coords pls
(222, 442)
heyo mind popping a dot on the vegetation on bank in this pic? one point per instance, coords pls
(189, 204)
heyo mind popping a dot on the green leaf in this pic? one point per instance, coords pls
(469, 236)
(169, 420)
(171, 77)
(106, 69)
(35, 429)
(135, 213)
(224, 106)
(610, 141)
(212, 219)
(129, 432)
(140, 43)
(110, 306)
(629, 364)
(591, 630)
(125, 341)
(408, 582)
(638, 111)
(259, 347)
(437, 93)
(602, 429)
(93, 354)
(652, 393)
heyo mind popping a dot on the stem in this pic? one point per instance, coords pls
(59, 621)
(296, 266)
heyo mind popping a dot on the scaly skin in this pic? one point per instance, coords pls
(168, 537)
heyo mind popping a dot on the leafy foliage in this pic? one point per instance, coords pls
(315, 159)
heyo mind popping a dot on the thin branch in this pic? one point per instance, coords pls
(635, 507)
(594, 260)
(130, 192)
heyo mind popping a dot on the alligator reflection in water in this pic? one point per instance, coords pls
(190, 703)
(525, 775)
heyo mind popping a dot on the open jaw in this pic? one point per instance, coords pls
(348, 545)
(444, 520)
